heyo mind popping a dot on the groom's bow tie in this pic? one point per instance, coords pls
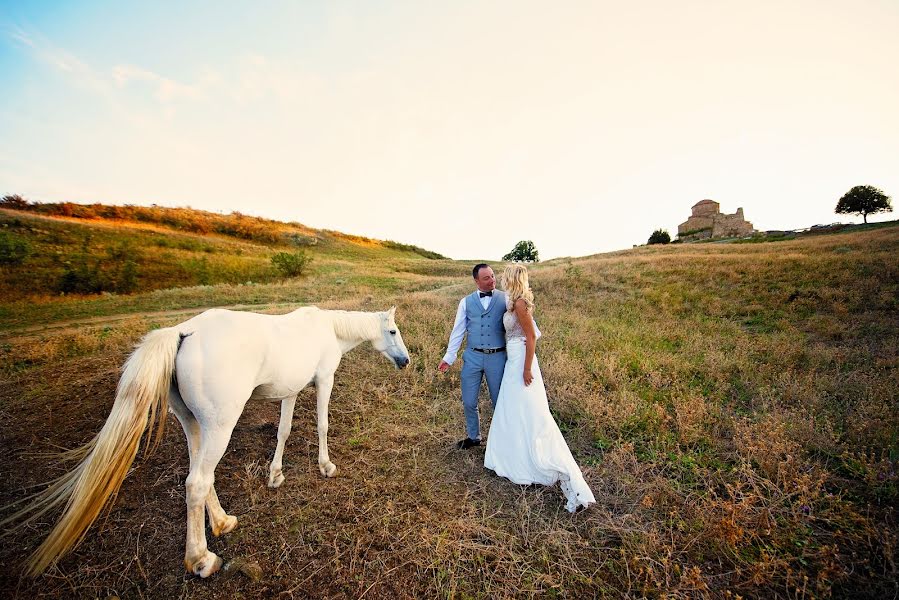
(482, 294)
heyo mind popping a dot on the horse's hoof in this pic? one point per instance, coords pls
(328, 469)
(275, 481)
(206, 566)
(227, 526)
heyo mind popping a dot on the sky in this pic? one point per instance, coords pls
(462, 127)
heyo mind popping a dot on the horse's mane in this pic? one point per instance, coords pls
(354, 325)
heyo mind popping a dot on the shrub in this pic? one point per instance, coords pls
(14, 202)
(694, 232)
(13, 249)
(82, 274)
(122, 278)
(291, 264)
(660, 236)
(575, 276)
(199, 268)
(301, 240)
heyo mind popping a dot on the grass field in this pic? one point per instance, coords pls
(733, 406)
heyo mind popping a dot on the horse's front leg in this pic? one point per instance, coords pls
(275, 474)
(323, 388)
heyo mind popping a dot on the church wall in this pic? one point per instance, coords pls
(707, 222)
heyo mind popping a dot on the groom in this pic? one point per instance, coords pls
(480, 315)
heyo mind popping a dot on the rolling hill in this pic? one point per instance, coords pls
(57, 255)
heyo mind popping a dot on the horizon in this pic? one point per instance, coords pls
(461, 129)
(884, 219)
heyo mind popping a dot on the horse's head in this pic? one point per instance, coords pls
(390, 344)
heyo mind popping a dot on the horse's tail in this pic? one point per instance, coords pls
(143, 390)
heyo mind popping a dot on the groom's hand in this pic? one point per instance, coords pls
(444, 366)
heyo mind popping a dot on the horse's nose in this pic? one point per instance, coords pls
(402, 361)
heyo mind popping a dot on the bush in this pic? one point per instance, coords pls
(122, 278)
(199, 269)
(13, 249)
(14, 202)
(301, 240)
(291, 264)
(660, 236)
(82, 274)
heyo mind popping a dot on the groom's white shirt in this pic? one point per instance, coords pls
(459, 327)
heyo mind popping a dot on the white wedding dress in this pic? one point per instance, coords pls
(525, 444)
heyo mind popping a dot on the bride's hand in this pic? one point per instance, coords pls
(528, 378)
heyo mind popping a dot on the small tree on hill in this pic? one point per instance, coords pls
(291, 264)
(660, 236)
(864, 200)
(524, 251)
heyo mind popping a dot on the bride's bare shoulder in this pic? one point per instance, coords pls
(521, 306)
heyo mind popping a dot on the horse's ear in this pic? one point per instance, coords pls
(391, 312)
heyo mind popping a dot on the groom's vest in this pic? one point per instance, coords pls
(485, 327)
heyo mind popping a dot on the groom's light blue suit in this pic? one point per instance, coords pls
(485, 331)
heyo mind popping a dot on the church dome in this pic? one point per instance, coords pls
(705, 207)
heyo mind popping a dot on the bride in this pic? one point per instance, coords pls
(525, 444)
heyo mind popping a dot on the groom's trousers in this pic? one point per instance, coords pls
(477, 366)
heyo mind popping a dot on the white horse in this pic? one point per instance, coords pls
(205, 370)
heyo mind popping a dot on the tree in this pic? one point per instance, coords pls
(524, 251)
(659, 236)
(864, 200)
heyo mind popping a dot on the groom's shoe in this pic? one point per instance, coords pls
(467, 443)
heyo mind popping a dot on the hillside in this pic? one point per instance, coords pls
(735, 408)
(53, 250)
(190, 220)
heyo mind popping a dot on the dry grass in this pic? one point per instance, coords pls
(734, 408)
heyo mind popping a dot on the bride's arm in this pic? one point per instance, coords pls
(530, 337)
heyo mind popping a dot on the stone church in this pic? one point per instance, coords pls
(708, 222)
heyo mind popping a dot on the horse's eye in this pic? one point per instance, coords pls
(393, 332)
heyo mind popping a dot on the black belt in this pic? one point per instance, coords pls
(489, 350)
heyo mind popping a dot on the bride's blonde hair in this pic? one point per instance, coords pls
(515, 281)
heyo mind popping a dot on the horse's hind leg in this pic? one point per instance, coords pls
(213, 442)
(275, 473)
(219, 520)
